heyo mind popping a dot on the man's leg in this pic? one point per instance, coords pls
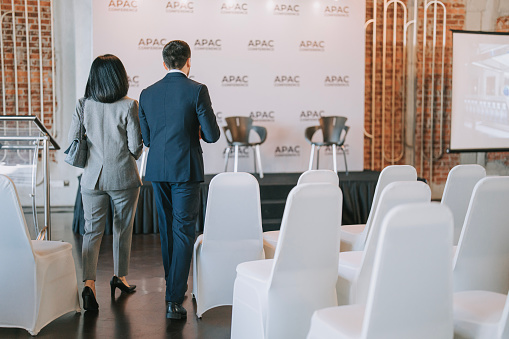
(185, 198)
(162, 195)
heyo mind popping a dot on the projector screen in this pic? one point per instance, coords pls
(480, 92)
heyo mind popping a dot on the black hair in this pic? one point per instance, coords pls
(107, 81)
(176, 53)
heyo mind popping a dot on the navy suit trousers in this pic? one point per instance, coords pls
(177, 208)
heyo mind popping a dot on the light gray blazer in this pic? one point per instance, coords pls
(114, 144)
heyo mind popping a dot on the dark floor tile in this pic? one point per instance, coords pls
(138, 315)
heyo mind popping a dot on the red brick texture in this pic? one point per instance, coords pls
(433, 89)
(24, 91)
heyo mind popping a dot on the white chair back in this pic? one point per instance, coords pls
(395, 194)
(304, 274)
(233, 211)
(388, 175)
(17, 262)
(316, 176)
(15, 237)
(458, 191)
(411, 291)
(232, 235)
(482, 257)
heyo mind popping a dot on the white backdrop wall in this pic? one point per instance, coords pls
(284, 63)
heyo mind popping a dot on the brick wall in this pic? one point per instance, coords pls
(22, 62)
(432, 95)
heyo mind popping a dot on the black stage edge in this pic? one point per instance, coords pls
(358, 191)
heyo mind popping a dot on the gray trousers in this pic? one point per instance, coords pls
(95, 207)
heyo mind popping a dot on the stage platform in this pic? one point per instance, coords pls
(358, 190)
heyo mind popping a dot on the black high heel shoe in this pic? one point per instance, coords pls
(89, 302)
(117, 283)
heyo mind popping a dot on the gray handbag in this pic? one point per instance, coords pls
(77, 152)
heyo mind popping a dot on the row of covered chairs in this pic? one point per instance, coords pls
(266, 295)
(238, 131)
(479, 266)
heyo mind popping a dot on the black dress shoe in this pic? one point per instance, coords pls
(175, 311)
(89, 302)
(117, 283)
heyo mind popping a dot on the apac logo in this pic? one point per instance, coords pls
(180, 7)
(150, 43)
(234, 8)
(312, 45)
(310, 115)
(235, 81)
(339, 150)
(260, 45)
(287, 151)
(343, 11)
(286, 9)
(265, 116)
(337, 81)
(287, 81)
(134, 81)
(243, 152)
(208, 44)
(123, 6)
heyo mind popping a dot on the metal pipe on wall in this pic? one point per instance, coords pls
(393, 158)
(14, 47)
(29, 78)
(2, 60)
(54, 130)
(371, 135)
(41, 78)
(432, 97)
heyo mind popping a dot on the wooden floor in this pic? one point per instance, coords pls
(138, 315)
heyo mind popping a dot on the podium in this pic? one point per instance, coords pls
(23, 141)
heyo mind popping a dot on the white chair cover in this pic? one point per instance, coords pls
(232, 235)
(481, 315)
(317, 176)
(353, 237)
(270, 238)
(355, 267)
(410, 293)
(276, 298)
(482, 257)
(38, 278)
(458, 191)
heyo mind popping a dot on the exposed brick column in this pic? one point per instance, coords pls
(456, 14)
(22, 63)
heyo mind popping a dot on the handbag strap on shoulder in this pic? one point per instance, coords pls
(82, 118)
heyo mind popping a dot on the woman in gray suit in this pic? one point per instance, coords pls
(114, 142)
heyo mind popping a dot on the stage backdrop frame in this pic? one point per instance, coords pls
(284, 63)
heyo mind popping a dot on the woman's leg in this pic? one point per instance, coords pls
(95, 208)
(125, 202)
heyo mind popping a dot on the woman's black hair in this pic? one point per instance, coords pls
(107, 81)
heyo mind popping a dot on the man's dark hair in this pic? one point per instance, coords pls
(176, 53)
(107, 81)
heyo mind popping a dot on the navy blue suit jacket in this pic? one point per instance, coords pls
(171, 112)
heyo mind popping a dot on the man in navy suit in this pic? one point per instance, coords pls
(174, 113)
